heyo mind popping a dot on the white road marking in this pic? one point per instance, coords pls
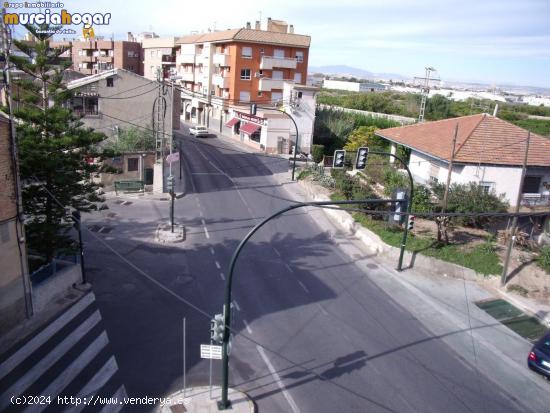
(49, 360)
(212, 251)
(29, 348)
(322, 309)
(203, 222)
(248, 329)
(237, 305)
(218, 266)
(70, 372)
(278, 380)
(97, 382)
(277, 252)
(222, 276)
(303, 286)
(101, 229)
(206, 233)
(288, 268)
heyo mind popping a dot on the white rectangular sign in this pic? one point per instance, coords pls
(173, 157)
(211, 352)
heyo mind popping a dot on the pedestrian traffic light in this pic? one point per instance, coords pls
(253, 109)
(362, 155)
(410, 222)
(339, 158)
(217, 328)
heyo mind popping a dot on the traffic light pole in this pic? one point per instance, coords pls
(295, 128)
(409, 207)
(224, 403)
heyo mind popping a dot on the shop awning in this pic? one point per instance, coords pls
(249, 128)
(232, 122)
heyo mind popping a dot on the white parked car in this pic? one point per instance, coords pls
(199, 131)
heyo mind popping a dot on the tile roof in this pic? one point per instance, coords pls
(481, 139)
(248, 35)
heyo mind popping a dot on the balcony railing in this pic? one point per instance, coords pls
(220, 81)
(535, 199)
(185, 58)
(221, 59)
(266, 84)
(270, 62)
(168, 59)
(187, 76)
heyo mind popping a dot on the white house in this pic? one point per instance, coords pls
(489, 151)
(353, 86)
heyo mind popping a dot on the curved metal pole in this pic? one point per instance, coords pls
(295, 141)
(224, 403)
(409, 208)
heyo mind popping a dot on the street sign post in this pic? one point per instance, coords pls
(211, 352)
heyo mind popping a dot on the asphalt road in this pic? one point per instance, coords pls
(314, 333)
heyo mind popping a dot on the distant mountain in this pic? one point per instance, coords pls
(348, 71)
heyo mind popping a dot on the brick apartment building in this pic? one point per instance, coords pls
(15, 296)
(159, 53)
(226, 69)
(95, 56)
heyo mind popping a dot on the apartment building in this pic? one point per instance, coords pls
(97, 55)
(159, 53)
(223, 71)
(15, 295)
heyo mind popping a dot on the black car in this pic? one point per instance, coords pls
(539, 357)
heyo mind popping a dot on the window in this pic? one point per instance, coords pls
(246, 52)
(259, 93)
(434, 173)
(85, 105)
(279, 53)
(133, 164)
(152, 53)
(298, 77)
(276, 97)
(299, 56)
(244, 96)
(262, 50)
(277, 75)
(245, 74)
(110, 82)
(487, 186)
(531, 184)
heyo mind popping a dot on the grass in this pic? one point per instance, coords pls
(304, 174)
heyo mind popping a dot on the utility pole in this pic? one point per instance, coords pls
(516, 210)
(158, 119)
(6, 41)
(425, 91)
(443, 221)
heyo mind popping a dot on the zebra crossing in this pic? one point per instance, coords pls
(69, 357)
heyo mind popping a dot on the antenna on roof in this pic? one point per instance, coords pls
(425, 90)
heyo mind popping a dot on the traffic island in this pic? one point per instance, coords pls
(201, 399)
(165, 235)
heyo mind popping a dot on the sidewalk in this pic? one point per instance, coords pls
(197, 400)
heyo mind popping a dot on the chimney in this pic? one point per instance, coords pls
(257, 26)
(496, 110)
(291, 28)
(248, 25)
(269, 24)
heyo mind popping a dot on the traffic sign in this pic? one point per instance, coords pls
(173, 157)
(211, 352)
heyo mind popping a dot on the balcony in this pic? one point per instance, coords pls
(187, 76)
(105, 59)
(266, 84)
(168, 59)
(270, 62)
(221, 81)
(221, 59)
(186, 58)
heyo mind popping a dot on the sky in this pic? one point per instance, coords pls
(493, 41)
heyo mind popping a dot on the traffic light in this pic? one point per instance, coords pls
(253, 109)
(410, 222)
(217, 328)
(339, 158)
(362, 155)
(170, 182)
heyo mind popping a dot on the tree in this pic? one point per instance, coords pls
(362, 136)
(54, 149)
(133, 140)
(438, 107)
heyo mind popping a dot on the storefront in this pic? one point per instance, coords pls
(248, 128)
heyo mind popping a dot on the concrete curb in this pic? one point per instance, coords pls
(197, 399)
(376, 246)
(164, 233)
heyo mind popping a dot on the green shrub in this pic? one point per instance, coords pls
(422, 199)
(304, 174)
(392, 179)
(317, 152)
(543, 260)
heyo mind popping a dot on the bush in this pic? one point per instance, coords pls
(422, 199)
(471, 197)
(392, 179)
(317, 151)
(543, 260)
